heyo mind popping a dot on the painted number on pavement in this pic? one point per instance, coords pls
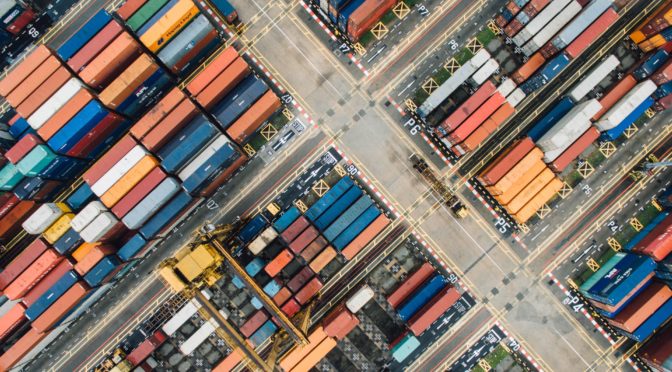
(413, 127)
(502, 225)
(573, 302)
(423, 10)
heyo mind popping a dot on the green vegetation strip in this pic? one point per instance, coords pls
(485, 36)
(494, 358)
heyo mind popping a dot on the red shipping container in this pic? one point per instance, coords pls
(138, 192)
(590, 34)
(291, 307)
(99, 135)
(22, 261)
(488, 127)
(22, 148)
(411, 283)
(663, 74)
(91, 49)
(20, 349)
(365, 237)
(433, 310)
(657, 243)
(528, 68)
(12, 320)
(43, 92)
(212, 70)
(224, 83)
(157, 113)
(282, 296)
(476, 119)
(366, 16)
(45, 283)
(501, 21)
(94, 256)
(9, 201)
(468, 107)
(146, 348)
(253, 323)
(21, 21)
(615, 93)
(628, 297)
(24, 69)
(252, 119)
(665, 102)
(61, 307)
(223, 177)
(34, 80)
(314, 248)
(643, 306)
(111, 62)
(505, 161)
(107, 161)
(305, 238)
(308, 291)
(300, 279)
(36, 271)
(295, 229)
(64, 114)
(170, 125)
(188, 60)
(274, 267)
(339, 322)
(129, 8)
(512, 28)
(573, 151)
(45, 194)
(11, 223)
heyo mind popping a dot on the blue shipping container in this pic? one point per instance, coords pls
(83, 35)
(404, 348)
(132, 247)
(227, 10)
(29, 187)
(662, 91)
(628, 261)
(254, 267)
(256, 303)
(252, 228)
(263, 333)
(356, 227)
(554, 67)
(421, 297)
(336, 209)
(272, 288)
(344, 15)
(542, 126)
(69, 241)
(165, 215)
(624, 282)
(612, 314)
(329, 198)
(51, 295)
(655, 61)
(212, 168)
(239, 100)
(150, 22)
(146, 95)
(616, 132)
(646, 230)
(287, 218)
(102, 269)
(80, 198)
(652, 323)
(335, 6)
(20, 129)
(186, 144)
(81, 124)
(237, 282)
(63, 168)
(347, 218)
(508, 16)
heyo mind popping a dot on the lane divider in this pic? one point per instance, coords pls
(521, 349)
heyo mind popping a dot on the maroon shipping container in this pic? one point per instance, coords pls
(11, 223)
(657, 22)
(590, 34)
(305, 238)
(146, 348)
(138, 192)
(47, 281)
(411, 283)
(91, 49)
(253, 323)
(665, 102)
(308, 291)
(99, 135)
(512, 7)
(290, 308)
(468, 107)
(21, 21)
(45, 193)
(433, 310)
(295, 229)
(129, 8)
(664, 74)
(658, 243)
(22, 261)
(366, 16)
(107, 161)
(170, 125)
(512, 28)
(314, 248)
(573, 151)
(22, 148)
(11, 201)
(504, 162)
(339, 322)
(189, 58)
(300, 279)
(658, 349)
(501, 21)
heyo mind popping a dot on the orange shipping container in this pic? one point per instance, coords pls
(93, 257)
(12, 319)
(532, 189)
(250, 121)
(21, 285)
(505, 161)
(530, 67)
(10, 224)
(83, 250)
(520, 183)
(32, 81)
(169, 25)
(23, 69)
(230, 362)
(170, 125)
(371, 231)
(521, 173)
(292, 358)
(223, 177)
(279, 262)
(219, 64)
(487, 128)
(157, 113)
(123, 86)
(22, 346)
(111, 61)
(315, 355)
(128, 180)
(43, 92)
(64, 114)
(61, 307)
(645, 304)
(538, 201)
(323, 259)
(615, 94)
(223, 83)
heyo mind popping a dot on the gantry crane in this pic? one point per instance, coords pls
(647, 167)
(451, 200)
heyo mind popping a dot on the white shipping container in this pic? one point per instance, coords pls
(359, 299)
(485, 71)
(118, 170)
(200, 159)
(7, 305)
(506, 87)
(588, 15)
(539, 21)
(42, 218)
(261, 241)
(565, 131)
(617, 113)
(552, 28)
(594, 77)
(324, 6)
(195, 340)
(151, 203)
(516, 97)
(568, 138)
(479, 58)
(54, 103)
(87, 215)
(99, 227)
(180, 317)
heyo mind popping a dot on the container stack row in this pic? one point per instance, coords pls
(654, 32)
(355, 17)
(657, 353)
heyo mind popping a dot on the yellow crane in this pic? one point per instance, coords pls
(451, 200)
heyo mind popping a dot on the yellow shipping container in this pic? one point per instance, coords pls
(637, 37)
(518, 171)
(292, 358)
(652, 43)
(58, 228)
(203, 256)
(530, 191)
(538, 201)
(83, 250)
(169, 25)
(129, 180)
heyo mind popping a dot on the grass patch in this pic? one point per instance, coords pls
(441, 76)
(388, 17)
(463, 56)
(573, 178)
(596, 158)
(367, 39)
(278, 120)
(494, 358)
(485, 36)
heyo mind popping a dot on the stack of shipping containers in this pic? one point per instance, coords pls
(355, 17)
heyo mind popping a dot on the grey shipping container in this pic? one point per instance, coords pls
(151, 203)
(181, 44)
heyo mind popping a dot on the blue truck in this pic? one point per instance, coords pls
(421, 297)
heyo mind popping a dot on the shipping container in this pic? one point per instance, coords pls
(366, 236)
(505, 161)
(613, 287)
(169, 126)
(122, 88)
(476, 119)
(347, 218)
(366, 16)
(329, 198)
(94, 46)
(236, 102)
(166, 216)
(420, 297)
(274, 267)
(433, 310)
(33, 81)
(93, 257)
(282, 296)
(151, 203)
(254, 117)
(575, 150)
(136, 174)
(663, 74)
(83, 35)
(316, 355)
(293, 230)
(488, 127)
(467, 108)
(164, 107)
(65, 139)
(132, 248)
(302, 240)
(21, 262)
(289, 360)
(146, 348)
(263, 333)
(187, 144)
(169, 25)
(111, 62)
(360, 298)
(339, 322)
(551, 28)
(180, 317)
(198, 337)
(602, 271)
(12, 319)
(262, 241)
(129, 8)
(356, 227)
(489, 68)
(642, 307)
(308, 291)
(658, 350)
(528, 68)
(520, 174)
(210, 169)
(21, 348)
(594, 77)
(588, 16)
(538, 22)
(253, 323)
(650, 64)
(52, 105)
(65, 114)
(546, 194)
(658, 243)
(47, 281)
(43, 217)
(323, 259)
(300, 279)
(344, 14)
(405, 348)
(61, 307)
(51, 295)
(657, 319)
(24, 69)
(626, 105)
(639, 111)
(105, 268)
(314, 248)
(212, 70)
(615, 93)
(568, 129)
(514, 204)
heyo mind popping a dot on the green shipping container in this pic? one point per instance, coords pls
(602, 271)
(9, 177)
(36, 160)
(146, 12)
